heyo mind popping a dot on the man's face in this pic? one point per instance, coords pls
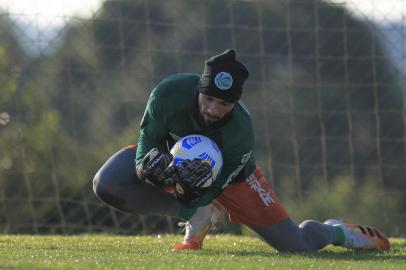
(213, 109)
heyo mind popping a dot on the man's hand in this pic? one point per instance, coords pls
(154, 168)
(190, 179)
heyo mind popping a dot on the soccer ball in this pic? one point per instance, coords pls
(201, 147)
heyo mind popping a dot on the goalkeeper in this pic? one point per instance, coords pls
(138, 179)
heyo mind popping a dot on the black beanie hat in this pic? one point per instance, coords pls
(223, 77)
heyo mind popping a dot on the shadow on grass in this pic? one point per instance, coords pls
(365, 255)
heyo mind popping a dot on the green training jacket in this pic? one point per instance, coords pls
(172, 112)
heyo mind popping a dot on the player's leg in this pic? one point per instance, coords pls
(117, 185)
(253, 203)
(287, 236)
(312, 235)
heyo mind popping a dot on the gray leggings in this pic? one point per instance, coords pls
(117, 185)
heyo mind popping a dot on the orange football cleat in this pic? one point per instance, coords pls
(361, 237)
(197, 227)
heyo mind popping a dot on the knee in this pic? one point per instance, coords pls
(306, 224)
(107, 192)
(309, 228)
(298, 238)
(313, 234)
(96, 183)
(102, 186)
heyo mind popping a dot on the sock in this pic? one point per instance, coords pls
(340, 236)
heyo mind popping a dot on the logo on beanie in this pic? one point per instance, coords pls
(223, 81)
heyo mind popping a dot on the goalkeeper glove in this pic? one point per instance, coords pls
(154, 168)
(191, 179)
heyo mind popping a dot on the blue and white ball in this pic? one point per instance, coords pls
(201, 147)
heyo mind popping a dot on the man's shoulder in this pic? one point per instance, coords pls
(175, 88)
(179, 82)
(242, 117)
(178, 89)
(239, 131)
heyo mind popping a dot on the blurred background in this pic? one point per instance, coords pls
(326, 93)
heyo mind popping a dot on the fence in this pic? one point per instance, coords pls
(326, 94)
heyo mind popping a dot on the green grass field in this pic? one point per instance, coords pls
(154, 252)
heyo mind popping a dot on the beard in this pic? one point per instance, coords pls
(208, 120)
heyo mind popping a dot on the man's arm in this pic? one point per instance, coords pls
(152, 130)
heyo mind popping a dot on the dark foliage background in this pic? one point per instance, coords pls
(326, 101)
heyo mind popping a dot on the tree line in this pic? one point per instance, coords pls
(326, 101)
